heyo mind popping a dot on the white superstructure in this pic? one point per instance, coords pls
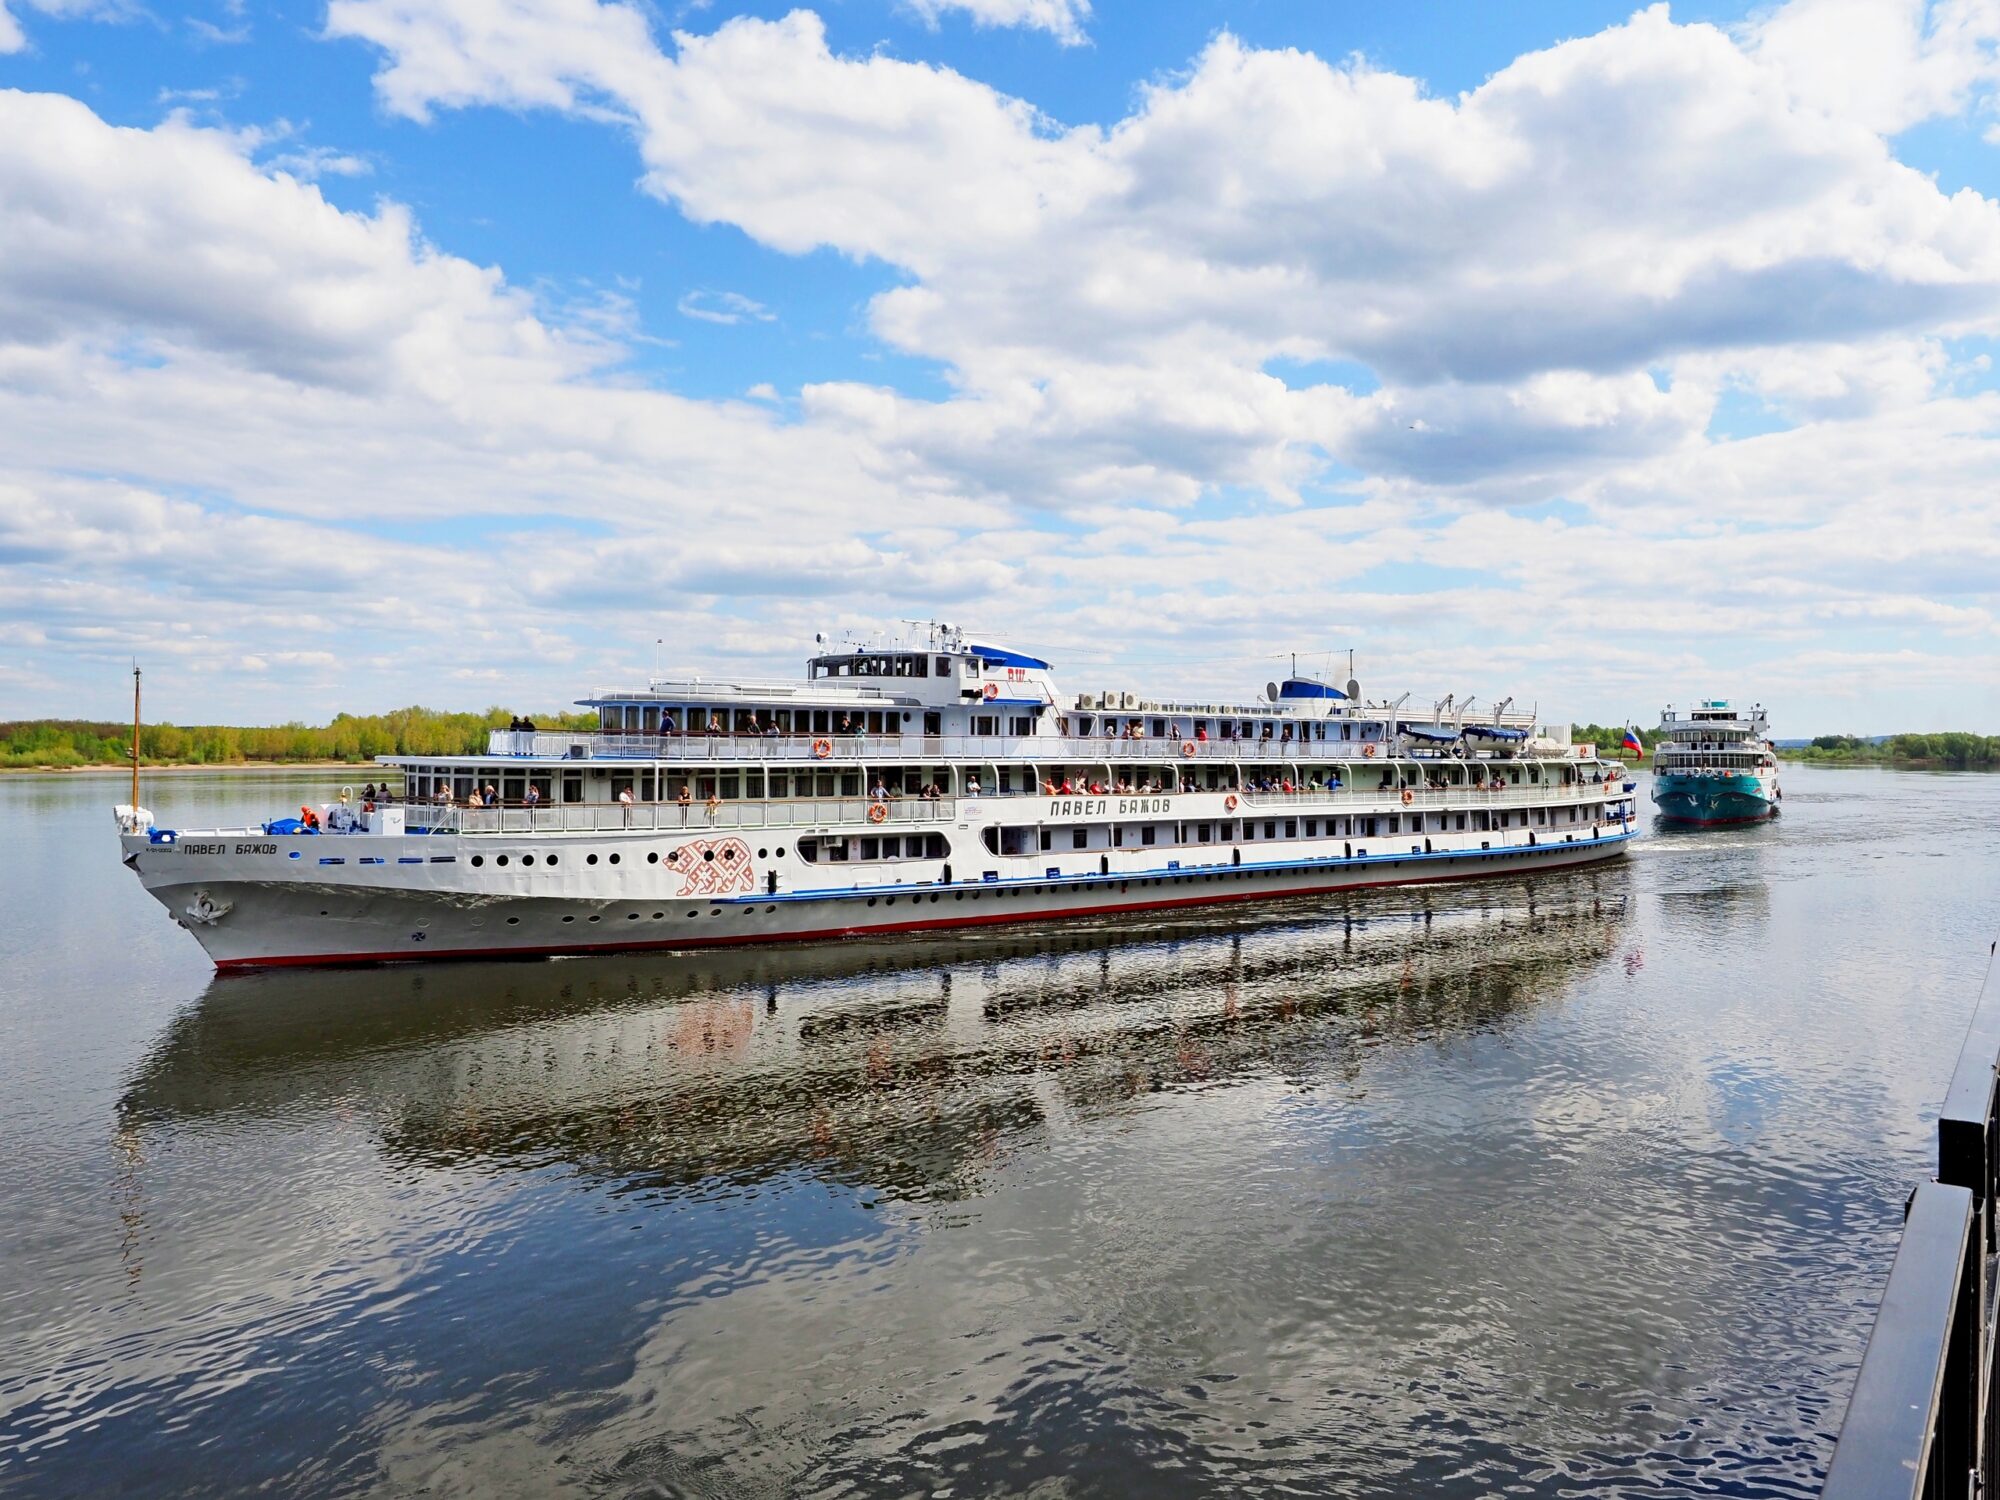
(938, 782)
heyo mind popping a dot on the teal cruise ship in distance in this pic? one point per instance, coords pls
(1715, 764)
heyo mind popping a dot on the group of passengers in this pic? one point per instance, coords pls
(930, 791)
(384, 794)
(520, 725)
(477, 796)
(1325, 782)
(1117, 787)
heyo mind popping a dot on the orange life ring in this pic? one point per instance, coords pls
(1368, 751)
(878, 811)
(1187, 747)
(1408, 796)
(992, 691)
(1229, 804)
(822, 749)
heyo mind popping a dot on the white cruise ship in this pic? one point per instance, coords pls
(936, 783)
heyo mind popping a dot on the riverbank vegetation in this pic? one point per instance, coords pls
(1952, 750)
(1607, 739)
(59, 744)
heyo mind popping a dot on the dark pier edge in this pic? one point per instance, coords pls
(1922, 1419)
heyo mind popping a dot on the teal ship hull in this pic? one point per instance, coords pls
(1715, 797)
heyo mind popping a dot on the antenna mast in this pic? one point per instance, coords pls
(135, 739)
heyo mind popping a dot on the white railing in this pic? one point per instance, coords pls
(1423, 798)
(854, 749)
(647, 817)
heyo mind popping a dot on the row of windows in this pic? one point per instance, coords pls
(1030, 840)
(841, 850)
(880, 665)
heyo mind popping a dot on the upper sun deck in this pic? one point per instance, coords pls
(1715, 720)
(940, 694)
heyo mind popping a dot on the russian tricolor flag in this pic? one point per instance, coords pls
(1633, 742)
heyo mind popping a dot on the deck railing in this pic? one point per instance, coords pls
(646, 817)
(848, 749)
(1922, 1419)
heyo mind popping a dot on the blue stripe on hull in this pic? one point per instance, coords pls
(1714, 799)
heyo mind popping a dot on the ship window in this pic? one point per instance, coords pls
(1080, 838)
(1045, 839)
(1148, 834)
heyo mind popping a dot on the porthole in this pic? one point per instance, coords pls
(631, 916)
(707, 854)
(871, 902)
(527, 859)
(590, 859)
(653, 858)
(657, 915)
(478, 860)
(890, 902)
(763, 854)
(594, 917)
(569, 919)
(614, 859)
(552, 859)
(693, 914)
(500, 859)
(769, 909)
(513, 921)
(958, 895)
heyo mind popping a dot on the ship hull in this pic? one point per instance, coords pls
(251, 924)
(1715, 799)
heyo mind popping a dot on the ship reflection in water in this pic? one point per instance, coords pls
(904, 1068)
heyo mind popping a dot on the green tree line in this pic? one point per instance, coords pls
(1607, 738)
(1952, 749)
(350, 737)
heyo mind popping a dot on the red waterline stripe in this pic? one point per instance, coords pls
(330, 960)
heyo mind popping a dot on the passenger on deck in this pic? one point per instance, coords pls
(880, 791)
(1286, 737)
(528, 726)
(771, 729)
(625, 805)
(684, 799)
(669, 725)
(1201, 734)
(715, 725)
(492, 795)
(532, 797)
(972, 786)
(472, 798)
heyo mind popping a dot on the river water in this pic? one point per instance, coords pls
(1583, 1184)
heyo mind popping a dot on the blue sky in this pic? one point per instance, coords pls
(455, 351)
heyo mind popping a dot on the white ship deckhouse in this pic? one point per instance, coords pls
(937, 782)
